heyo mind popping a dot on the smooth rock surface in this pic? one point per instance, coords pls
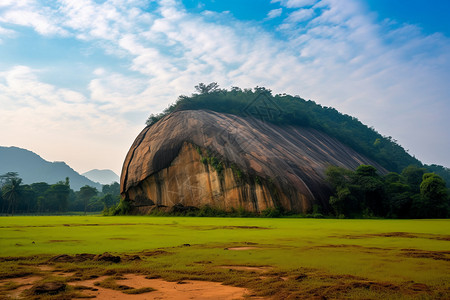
(264, 165)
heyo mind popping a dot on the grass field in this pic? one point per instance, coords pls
(297, 258)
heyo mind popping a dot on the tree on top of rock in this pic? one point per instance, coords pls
(202, 88)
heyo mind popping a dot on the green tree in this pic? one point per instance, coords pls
(399, 195)
(338, 176)
(40, 190)
(365, 193)
(11, 193)
(109, 200)
(85, 194)
(28, 201)
(58, 195)
(412, 176)
(343, 202)
(441, 171)
(113, 189)
(202, 88)
(7, 177)
(371, 186)
(434, 195)
(366, 171)
(2, 202)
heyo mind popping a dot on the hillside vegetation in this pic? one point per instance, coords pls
(293, 110)
(411, 190)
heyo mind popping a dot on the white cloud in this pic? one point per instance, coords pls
(274, 13)
(60, 123)
(22, 88)
(295, 3)
(27, 13)
(4, 31)
(391, 78)
(21, 3)
(117, 92)
(300, 15)
(99, 71)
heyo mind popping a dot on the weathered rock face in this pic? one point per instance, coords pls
(192, 183)
(198, 158)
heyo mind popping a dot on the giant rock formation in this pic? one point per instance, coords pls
(196, 158)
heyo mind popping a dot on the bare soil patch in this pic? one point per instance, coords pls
(241, 248)
(23, 287)
(47, 268)
(19, 285)
(186, 289)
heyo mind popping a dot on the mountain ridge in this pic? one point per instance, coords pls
(102, 176)
(33, 168)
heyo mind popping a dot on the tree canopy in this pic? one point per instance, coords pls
(410, 194)
(283, 109)
(12, 192)
(44, 198)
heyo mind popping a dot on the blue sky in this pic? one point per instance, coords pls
(79, 78)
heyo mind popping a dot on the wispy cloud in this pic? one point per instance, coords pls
(29, 13)
(390, 76)
(300, 15)
(274, 13)
(295, 3)
(5, 32)
(63, 124)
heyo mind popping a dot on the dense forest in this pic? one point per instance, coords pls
(282, 109)
(44, 198)
(414, 193)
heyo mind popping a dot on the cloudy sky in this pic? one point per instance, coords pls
(78, 78)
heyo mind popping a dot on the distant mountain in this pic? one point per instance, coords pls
(102, 176)
(33, 168)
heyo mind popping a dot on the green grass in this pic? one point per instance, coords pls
(396, 251)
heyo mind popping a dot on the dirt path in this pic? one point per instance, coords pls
(241, 248)
(183, 290)
(24, 282)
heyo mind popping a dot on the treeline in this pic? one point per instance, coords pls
(44, 198)
(293, 110)
(413, 193)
